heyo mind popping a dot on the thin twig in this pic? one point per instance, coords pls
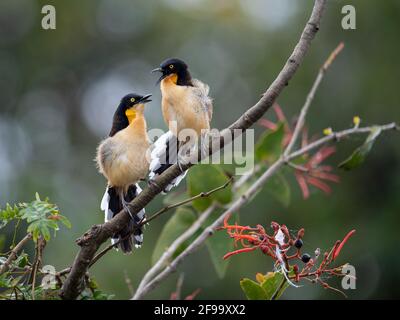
(41, 243)
(297, 167)
(181, 203)
(13, 255)
(310, 97)
(128, 283)
(179, 284)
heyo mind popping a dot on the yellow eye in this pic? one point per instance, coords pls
(171, 66)
(132, 99)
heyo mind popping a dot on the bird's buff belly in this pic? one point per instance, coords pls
(124, 167)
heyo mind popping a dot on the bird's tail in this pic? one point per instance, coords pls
(112, 203)
(164, 155)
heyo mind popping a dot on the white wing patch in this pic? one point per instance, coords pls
(104, 206)
(158, 155)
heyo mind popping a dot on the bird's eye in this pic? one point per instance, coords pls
(133, 99)
(171, 66)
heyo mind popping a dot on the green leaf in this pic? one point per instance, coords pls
(252, 290)
(181, 220)
(8, 214)
(359, 155)
(203, 178)
(2, 241)
(64, 220)
(5, 280)
(22, 260)
(218, 245)
(279, 188)
(272, 285)
(269, 146)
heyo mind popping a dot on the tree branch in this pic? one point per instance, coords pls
(92, 239)
(310, 97)
(14, 252)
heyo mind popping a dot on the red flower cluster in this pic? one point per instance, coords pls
(285, 250)
(311, 171)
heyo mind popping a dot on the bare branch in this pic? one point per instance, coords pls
(13, 255)
(310, 97)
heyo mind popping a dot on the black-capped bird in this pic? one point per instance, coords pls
(185, 105)
(121, 158)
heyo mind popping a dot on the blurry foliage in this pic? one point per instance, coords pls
(358, 156)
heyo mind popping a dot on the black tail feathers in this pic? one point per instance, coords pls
(112, 204)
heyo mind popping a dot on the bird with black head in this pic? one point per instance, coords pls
(187, 110)
(122, 159)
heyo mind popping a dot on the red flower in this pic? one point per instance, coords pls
(312, 171)
(278, 246)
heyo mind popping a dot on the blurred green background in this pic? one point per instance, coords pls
(59, 89)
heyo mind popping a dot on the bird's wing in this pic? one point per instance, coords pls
(164, 155)
(201, 89)
(104, 206)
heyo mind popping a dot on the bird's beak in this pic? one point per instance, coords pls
(163, 75)
(145, 99)
(156, 70)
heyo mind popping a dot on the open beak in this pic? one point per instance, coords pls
(163, 75)
(145, 98)
(156, 70)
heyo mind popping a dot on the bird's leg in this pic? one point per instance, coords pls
(125, 204)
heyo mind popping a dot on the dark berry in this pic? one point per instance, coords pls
(305, 257)
(298, 243)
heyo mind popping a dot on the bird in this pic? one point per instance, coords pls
(123, 160)
(185, 105)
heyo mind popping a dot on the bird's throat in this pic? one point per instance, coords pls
(131, 115)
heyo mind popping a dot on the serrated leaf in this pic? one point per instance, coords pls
(203, 178)
(359, 155)
(252, 290)
(181, 220)
(269, 146)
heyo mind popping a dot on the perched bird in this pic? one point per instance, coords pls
(185, 105)
(121, 158)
